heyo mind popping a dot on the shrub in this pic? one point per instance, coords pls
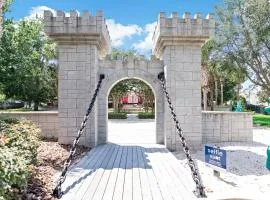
(8, 120)
(115, 115)
(146, 115)
(23, 137)
(19, 141)
(13, 174)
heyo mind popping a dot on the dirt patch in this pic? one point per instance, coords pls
(51, 157)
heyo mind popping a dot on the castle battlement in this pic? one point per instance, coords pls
(183, 29)
(78, 29)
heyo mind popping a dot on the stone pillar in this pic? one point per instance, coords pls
(81, 41)
(177, 41)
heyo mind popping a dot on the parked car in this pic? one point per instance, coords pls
(8, 104)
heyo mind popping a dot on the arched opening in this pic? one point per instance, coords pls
(131, 105)
(102, 105)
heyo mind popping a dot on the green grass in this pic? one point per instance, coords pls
(261, 120)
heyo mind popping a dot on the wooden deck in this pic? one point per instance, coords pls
(128, 172)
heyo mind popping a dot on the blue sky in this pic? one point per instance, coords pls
(131, 23)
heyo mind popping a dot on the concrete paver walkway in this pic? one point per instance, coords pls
(132, 131)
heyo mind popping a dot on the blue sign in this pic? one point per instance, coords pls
(215, 156)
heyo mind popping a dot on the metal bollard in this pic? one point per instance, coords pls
(268, 158)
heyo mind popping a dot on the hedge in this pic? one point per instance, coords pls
(115, 115)
(146, 115)
(19, 141)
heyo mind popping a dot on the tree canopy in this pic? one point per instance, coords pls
(26, 68)
(135, 85)
(243, 37)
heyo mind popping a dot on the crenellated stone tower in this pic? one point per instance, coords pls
(84, 48)
(178, 41)
(81, 40)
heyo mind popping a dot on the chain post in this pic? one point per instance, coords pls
(199, 192)
(57, 192)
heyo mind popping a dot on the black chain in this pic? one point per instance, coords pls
(195, 172)
(57, 192)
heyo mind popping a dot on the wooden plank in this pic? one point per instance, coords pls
(106, 165)
(145, 186)
(98, 194)
(76, 171)
(162, 163)
(119, 185)
(87, 169)
(136, 184)
(180, 173)
(161, 176)
(154, 185)
(127, 193)
(148, 172)
(108, 191)
(83, 187)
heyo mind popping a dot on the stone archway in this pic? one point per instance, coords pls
(84, 52)
(109, 82)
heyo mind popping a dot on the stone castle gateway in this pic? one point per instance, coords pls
(84, 53)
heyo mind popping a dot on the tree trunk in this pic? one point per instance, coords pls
(36, 106)
(238, 91)
(153, 106)
(216, 91)
(29, 104)
(205, 99)
(212, 99)
(114, 105)
(221, 94)
(221, 79)
(117, 105)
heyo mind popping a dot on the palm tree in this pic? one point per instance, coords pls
(205, 73)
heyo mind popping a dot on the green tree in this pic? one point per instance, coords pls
(26, 70)
(207, 72)
(123, 53)
(134, 85)
(118, 91)
(6, 5)
(144, 90)
(219, 75)
(243, 35)
(263, 97)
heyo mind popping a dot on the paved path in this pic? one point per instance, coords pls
(145, 171)
(132, 131)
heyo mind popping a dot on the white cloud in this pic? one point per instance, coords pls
(144, 46)
(120, 32)
(39, 12)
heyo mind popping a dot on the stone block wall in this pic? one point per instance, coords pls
(48, 121)
(218, 126)
(81, 40)
(177, 41)
(131, 67)
(77, 81)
